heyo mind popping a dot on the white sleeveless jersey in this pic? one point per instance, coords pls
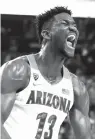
(40, 108)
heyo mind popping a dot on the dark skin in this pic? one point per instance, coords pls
(16, 74)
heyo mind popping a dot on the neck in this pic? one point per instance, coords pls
(50, 62)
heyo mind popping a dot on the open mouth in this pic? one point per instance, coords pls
(71, 41)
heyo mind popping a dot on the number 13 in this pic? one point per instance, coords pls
(51, 120)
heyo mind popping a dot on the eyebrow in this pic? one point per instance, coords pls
(73, 22)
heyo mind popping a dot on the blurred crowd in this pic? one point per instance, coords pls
(18, 37)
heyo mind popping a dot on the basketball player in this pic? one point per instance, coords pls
(38, 91)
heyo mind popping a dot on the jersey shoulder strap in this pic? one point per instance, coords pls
(31, 61)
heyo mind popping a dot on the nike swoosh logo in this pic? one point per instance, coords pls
(36, 84)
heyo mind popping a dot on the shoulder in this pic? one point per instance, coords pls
(15, 70)
(78, 84)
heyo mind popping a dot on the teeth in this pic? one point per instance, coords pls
(71, 38)
(69, 43)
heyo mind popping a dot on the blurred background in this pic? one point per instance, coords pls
(19, 37)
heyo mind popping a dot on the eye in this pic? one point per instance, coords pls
(75, 25)
(64, 22)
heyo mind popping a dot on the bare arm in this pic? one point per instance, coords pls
(14, 76)
(79, 113)
(4, 133)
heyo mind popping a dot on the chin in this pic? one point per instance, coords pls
(69, 52)
(69, 55)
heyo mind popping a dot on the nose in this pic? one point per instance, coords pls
(73, 28)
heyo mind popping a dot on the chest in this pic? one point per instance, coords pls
(40, 92)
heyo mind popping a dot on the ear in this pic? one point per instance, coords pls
(46, 34)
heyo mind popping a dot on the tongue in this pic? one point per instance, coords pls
(69, 43)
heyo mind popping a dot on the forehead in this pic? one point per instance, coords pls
(63, 16)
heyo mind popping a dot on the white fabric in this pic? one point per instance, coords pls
(24, 122)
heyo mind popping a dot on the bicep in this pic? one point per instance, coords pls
(80, 124)
(81, 97)
(13, 78)
(7, 93)
(82, 103)
(4, 133)
(7, 102)
(79, 112)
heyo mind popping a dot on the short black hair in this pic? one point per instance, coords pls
(42, 18)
